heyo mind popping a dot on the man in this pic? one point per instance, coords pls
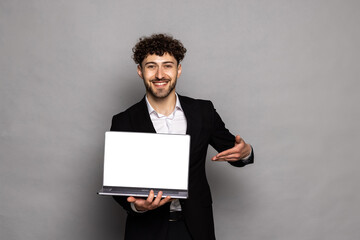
(162, 110)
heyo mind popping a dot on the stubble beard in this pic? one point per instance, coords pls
(160, 93)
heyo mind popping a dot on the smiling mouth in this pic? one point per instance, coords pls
(159, 83)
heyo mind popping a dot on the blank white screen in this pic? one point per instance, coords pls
(146, 160)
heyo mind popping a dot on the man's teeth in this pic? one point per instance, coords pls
(159, 83)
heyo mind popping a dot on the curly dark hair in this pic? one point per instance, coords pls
(158, 44)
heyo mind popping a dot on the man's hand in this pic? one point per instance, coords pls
(239, 151)
(150, 203)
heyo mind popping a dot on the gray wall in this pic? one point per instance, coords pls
(283, 74)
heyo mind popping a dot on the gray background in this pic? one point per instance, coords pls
(282, 74)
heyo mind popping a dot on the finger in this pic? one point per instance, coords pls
(131, 199)
(230, 157)
(226, 152)
(157, 199)
(150, 198)
(226, 159)
(165, 200)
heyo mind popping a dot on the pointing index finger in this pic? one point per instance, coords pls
(225, 153)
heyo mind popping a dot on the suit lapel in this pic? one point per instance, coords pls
(193, 121)
(141, 119)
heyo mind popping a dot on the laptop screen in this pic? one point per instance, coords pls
(146, 160)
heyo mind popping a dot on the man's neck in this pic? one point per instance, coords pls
(164, 106)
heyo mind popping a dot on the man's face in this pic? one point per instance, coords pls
(159, 74)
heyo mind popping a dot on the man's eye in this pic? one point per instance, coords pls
(150, 66)
(168, 66)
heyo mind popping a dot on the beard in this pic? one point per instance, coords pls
(160, 93)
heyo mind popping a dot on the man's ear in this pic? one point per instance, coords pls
(179, 70)
(139, 71)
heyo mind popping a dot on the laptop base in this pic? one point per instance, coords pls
(141, 192)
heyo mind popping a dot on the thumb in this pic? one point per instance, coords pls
(131, 199)
(237, 139)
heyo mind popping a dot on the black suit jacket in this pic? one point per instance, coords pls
(205, 127)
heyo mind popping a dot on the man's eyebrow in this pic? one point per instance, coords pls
(150, 63)
(166, 62)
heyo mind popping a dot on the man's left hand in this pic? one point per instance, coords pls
(239, 151)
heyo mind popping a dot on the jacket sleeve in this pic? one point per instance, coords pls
(221, 139)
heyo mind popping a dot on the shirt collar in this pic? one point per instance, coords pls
(152, 110)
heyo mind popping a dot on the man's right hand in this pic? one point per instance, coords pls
(150, 203)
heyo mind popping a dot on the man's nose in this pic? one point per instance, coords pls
(159, 73)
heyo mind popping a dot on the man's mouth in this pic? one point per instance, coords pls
(159, 83)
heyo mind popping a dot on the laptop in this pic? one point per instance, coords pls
(135, 163)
